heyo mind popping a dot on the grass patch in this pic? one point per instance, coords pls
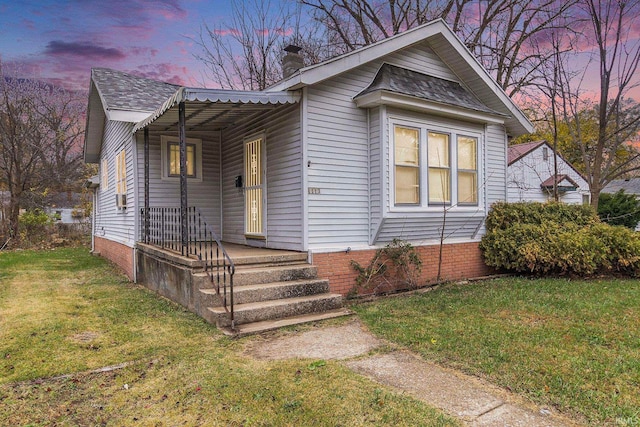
(65, 313)
(573, 345)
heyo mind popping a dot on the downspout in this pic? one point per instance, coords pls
(93, 220)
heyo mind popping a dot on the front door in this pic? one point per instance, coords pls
(254, 188)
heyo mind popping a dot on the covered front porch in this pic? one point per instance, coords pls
(207, 150)
(204, 154)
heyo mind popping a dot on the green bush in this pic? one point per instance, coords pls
(33, 225)
(503, 215)
(619, 209)
(549, 242)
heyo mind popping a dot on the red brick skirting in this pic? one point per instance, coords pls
(459, 261)
(119, 254)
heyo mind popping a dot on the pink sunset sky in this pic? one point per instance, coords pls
(61, 41)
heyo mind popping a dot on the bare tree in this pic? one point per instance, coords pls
(245, 54)
(40, 140)
(600, 127)
(500, 33)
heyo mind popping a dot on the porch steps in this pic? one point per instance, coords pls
(272, 324)
(271, 292)
(277, 309)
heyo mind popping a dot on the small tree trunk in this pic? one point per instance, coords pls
(14, 217)
(595, 196)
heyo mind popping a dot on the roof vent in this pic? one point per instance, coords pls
(292, 60)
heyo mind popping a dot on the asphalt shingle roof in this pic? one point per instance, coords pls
(407, 82)
(518, 151)
(123, 91)
(630, 186)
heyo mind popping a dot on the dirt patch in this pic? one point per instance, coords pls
(323, 343)
(85, 337)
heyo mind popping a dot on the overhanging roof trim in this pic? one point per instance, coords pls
(219, 96)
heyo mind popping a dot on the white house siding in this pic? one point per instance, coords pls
(375, 170)
(204, 194)
(338, 150)
(110, 222)
(495, 159)
(284, 219)
(526, 174)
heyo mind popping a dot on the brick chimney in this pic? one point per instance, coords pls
(292, 61)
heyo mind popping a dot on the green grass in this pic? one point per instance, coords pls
(573, 345)
(64, 313)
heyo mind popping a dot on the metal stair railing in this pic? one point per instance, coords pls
(164, 230)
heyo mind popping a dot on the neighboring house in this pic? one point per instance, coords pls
(62, 208)
(334, 161)
(629, 185)
(530, 176)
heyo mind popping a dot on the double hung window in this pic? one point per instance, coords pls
(170, 149)
(121, 180)
(451, 173)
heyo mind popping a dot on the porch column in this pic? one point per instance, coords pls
(146, 185)
(183, 178)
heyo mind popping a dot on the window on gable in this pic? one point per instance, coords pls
(104, 169)
(407, 165)
(121, 180)
(467, 170)
(439, 168)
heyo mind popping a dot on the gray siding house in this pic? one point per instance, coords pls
(333, 162)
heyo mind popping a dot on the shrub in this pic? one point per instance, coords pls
(395, 266)
(619, 209)
(549, 242)
(503, 215)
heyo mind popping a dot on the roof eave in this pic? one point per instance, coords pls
(382, 97)
(218, 95)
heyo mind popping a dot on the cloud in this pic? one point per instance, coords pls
(28, 23)
(85, 50)
(164, 72)
(227, 32)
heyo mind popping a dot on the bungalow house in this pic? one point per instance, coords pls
(530, 176)
(202, 190)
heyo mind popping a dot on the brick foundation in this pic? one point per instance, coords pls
(459, 261)
(119, 254)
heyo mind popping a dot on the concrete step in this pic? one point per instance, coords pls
(275, 309)
(265, 274)
(269, 291)
(271, 259)
(269, 325)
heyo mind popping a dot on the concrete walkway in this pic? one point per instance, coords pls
(473, 401)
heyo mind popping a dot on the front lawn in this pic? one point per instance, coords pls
(570, 344)
(64, 313)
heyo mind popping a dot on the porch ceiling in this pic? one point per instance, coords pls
(214, 109)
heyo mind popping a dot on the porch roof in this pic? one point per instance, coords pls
(215, 108)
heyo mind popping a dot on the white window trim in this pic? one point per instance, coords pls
(453, 131)
(121, 177)
(164, 157)
(104, 171)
